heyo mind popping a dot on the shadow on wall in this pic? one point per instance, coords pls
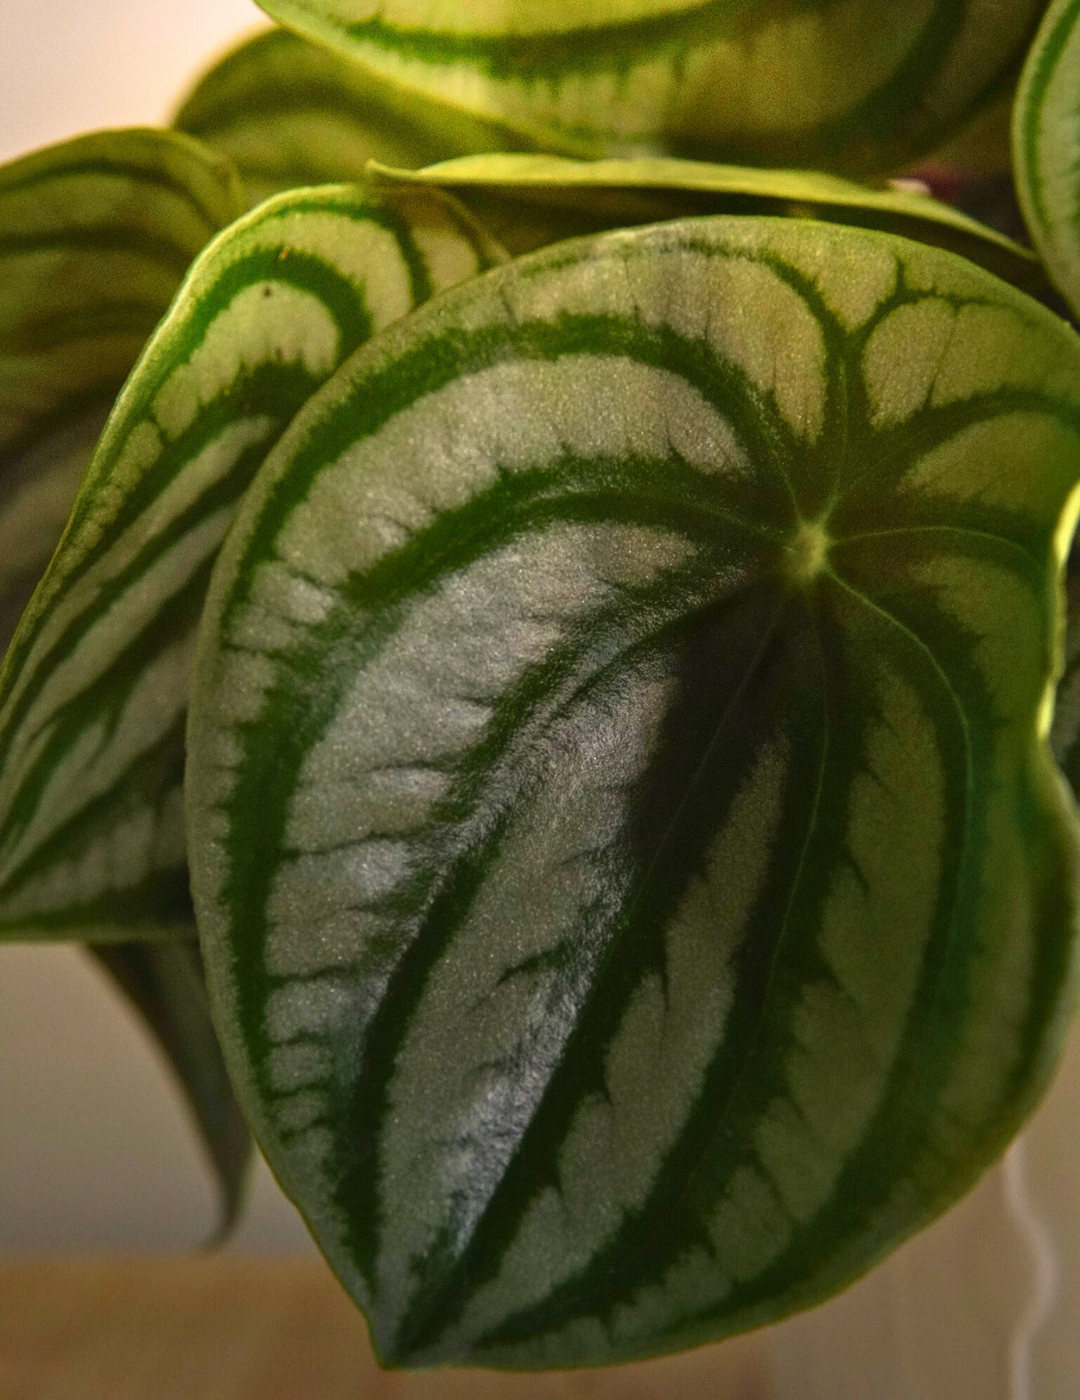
(985, 1305)
(98, 1151)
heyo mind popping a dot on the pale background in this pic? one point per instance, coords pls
(68, 66)
(96, 1152)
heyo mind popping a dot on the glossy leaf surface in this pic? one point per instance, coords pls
(94, 688)
(293, 113)
(96, 235)
(1046, 146)
(165, 982)
(528, 198)
(635, 888)
(853, 85)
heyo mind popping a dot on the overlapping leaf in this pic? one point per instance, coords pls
(634, 882)
(532, 200)
(292, 113)
(983, 147)
(165, 982)
(96, 235)
(94, 688)
(853, 85)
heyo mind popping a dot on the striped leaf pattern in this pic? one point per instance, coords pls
(96, 235)
(165, 982)
(635, 887)
(532, 200)
(94, 688)
(292, 113)
(1046, 146)
(853, 85)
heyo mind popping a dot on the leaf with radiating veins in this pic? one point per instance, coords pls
(94, 687)
(635, 887)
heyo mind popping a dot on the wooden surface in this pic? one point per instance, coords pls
(215, 1328)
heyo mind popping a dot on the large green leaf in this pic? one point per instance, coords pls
(94, 687)
(292, 113)
(165, 982)
(855, 85)
(95, 237)
(1046, 146)
(531, 200)
(635, 888)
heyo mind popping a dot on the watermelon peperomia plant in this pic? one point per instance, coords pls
(564, 639)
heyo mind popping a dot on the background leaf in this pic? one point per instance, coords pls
(634, 883)
(292, 113)
(94, 687)
(848, 85)
(95, 237)
(166, 984)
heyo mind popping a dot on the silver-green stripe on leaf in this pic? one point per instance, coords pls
(293, 113)
(853, 85)
(635, 887)
(94, 688)
(96, 235)
(165, 982)
(1046, 146)
(531, 200)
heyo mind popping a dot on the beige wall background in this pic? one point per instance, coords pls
(68, 66)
